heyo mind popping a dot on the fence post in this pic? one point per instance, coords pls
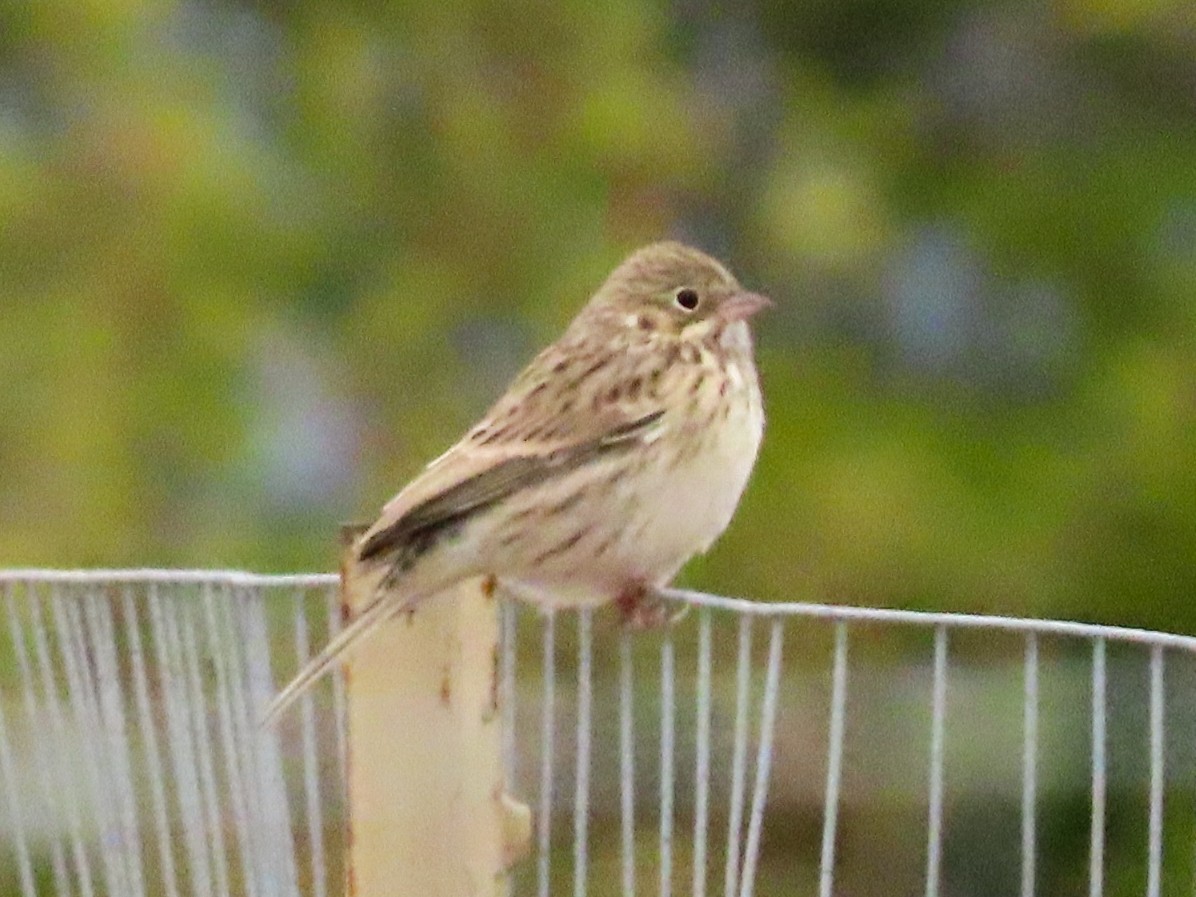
(428, 812)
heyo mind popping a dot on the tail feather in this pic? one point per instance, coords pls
(359, 628)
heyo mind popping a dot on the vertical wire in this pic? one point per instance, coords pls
(627, 762)
(269, 755)
(235, 773)
(581, 796)
(269, 749)
(12, 800)
(249, 740)
(164, 627)
(41, 644)
(339, 712)
(197, 704)
(764, 752)
(934, 836)
(1029, 763)
(149, 738)
(1096, 855)
(1155, 851)
(702, 758)
(233, 626)
(547, 727)
(120, 841)
(311, 784)
(116, 729)
(668, 681)
(8, 778)
(739, 756)
(247, 686)
(34, 724)
(184, 751)
(834, 763)
(99, 782)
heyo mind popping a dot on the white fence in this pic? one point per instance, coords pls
(753, 749)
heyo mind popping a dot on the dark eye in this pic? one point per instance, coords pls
(687, 299)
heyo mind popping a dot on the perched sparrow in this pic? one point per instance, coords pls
(619, 453)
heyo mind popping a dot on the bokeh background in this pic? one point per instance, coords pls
(260, 261)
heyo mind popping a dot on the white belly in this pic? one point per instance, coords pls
(698, 497)
(654, 522)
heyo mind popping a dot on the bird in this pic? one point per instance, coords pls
(616, 455)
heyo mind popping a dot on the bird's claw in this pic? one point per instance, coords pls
(643, 608)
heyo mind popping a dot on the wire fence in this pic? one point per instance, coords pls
(140, 767)
(750, 750)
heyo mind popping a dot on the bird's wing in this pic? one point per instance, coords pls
(536, 431)
(471, 477)
(463, 481)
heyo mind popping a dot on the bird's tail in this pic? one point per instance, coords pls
(375, 613)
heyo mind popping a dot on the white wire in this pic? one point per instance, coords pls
(228, 578)
(581, 794)
(252, 697)
(41, 758)
(1096, 856)
(834, 763)
(627, 763)
(234, 629)
(1029, 763)
(220, 649)
(12, 800)
(100, 783)
(149, 739)
(203, 741)
(66, 790)
(253, 766)
(701, 599)
(768, 715)
(547, 727)
(197, 718)
(1065, 628)
(311, 786)
(1155, 851)
(667, 738)
(739, 605)
(339, 708)
(739, 756)
(116, 729)
(179, 705)
(702, 755)
(281, 847)
(934, 835)
(164, 627)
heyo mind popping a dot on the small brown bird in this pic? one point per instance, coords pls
(619, 453)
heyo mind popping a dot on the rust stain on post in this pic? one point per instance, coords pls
(428, 809)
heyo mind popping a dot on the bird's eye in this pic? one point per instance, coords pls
(686, 299)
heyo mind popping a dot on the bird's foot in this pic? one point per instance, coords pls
(641, 607)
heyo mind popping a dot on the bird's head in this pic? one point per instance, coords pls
(672, 290)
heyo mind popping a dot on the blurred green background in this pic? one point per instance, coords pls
(260, 261)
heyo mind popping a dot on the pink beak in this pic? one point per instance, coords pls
(742, 306)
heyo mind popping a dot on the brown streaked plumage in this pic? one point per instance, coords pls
(615, 456)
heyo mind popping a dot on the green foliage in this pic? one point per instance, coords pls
(260, 261)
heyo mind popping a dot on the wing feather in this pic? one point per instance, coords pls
(469, 478)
